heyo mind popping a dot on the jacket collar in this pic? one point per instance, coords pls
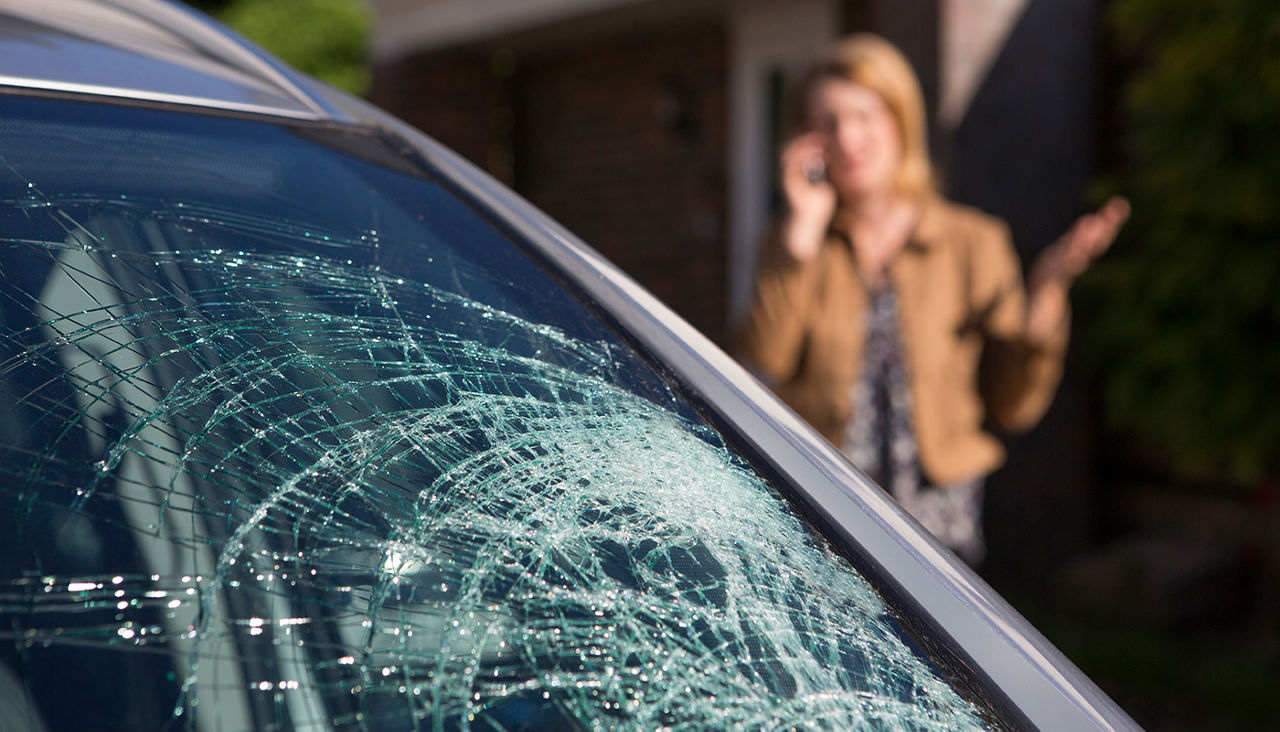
(929, 232)
(932, 229)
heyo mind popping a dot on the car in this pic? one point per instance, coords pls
(306, 422)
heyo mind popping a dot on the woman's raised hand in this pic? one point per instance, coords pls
(1087, 239)
(810, 197)
(1066, 259)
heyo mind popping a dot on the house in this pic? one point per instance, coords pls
(650, 127)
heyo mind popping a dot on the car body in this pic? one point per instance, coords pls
(305, 422)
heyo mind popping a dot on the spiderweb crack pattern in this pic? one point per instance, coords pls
(368, 500)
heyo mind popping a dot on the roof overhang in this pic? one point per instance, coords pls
(404, 27)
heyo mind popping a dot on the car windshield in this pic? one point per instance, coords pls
(295, 436)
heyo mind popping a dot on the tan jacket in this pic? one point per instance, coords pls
(962, 308)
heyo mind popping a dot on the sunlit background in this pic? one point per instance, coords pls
(1139, 525)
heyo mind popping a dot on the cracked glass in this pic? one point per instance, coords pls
(291, 436)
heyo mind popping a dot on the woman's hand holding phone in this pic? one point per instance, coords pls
(810, 197)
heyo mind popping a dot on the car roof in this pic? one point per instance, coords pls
(148, 50)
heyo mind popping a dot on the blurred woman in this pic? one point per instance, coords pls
(897, 322)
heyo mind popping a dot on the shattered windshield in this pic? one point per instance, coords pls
(292, 437)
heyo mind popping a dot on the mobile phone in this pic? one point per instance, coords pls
(815, 171)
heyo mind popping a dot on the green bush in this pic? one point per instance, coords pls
(1187, 318)
(325, 38)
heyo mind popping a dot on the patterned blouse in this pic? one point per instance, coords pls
(880, 440)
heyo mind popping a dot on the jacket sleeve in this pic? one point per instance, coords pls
(1017, 378)
(772, 337)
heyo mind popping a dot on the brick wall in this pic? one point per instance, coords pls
(621, 138)
(456, 97)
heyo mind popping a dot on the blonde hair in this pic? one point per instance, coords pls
(872, 62)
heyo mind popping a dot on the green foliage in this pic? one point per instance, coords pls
(1188, 307)
(325, 38)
